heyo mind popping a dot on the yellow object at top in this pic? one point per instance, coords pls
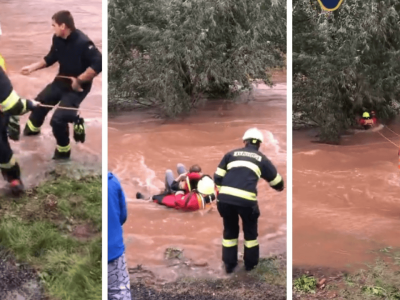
(365, 115)
(2, 63)
(206, 186)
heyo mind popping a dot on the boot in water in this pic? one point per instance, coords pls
(17, 187)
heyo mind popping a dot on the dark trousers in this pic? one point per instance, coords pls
(54, 93)
(9, 169)
(230, 215)
(5, 149)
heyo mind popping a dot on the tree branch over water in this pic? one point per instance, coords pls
(345, 62)
(183, 50)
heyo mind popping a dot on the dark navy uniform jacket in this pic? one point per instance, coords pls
(238, 173)
(74, 54)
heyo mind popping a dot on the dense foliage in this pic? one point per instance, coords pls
(170, 54)
(344, 63)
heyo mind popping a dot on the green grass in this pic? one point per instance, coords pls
(271, 270)
(305, 284)
(378, 280)
(39, 229)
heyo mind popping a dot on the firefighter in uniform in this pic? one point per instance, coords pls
(11, 105)
(236, 177)
(13, 122)
(79, 62)
(367, 121)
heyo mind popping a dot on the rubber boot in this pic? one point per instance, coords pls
(29, 132)
(61, 155)
(17, 187)
(229, 268)
(13, 177)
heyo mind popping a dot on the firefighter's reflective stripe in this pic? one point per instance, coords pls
(24, 106)
(251, 244)
(229, 243)
(11, 100)
(10, 164)
(200, 199)
(3, 63)
(188, 183)
(238, 193)
(64, 149)
(277, 179)
(246, 164)
(220, 172)
(32, 127)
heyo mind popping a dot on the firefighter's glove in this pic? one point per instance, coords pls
(79, 130)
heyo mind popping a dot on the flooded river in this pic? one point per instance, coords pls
(142, 148)
(346, 199)
(27, 34)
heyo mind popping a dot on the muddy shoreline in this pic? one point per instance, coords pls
(266, 282)
(18, 281)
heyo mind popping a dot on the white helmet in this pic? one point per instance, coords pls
(206, 186)
(253, 134)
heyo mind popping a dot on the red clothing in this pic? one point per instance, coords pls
(182, 201)
(191, 181)
(370, 122)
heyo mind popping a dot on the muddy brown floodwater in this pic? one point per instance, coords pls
(141, 149)
(346, 199)
(27, 33)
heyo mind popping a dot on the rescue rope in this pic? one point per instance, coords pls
(388, 139)
(69, 108)
(393, 131)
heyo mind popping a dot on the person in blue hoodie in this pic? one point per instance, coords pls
(118, 277)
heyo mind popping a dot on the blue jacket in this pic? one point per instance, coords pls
(117, 215)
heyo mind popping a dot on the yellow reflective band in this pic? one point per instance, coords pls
(188, 184)
(31, 127)
(64, 149)
(220, 172)
(238, 193)
(251, 244)
(218, 187)
(2, 63)
(11, 100)
(24, 106)
(201, 201)
(246, 164)
(10, 164)
(277, 179)
(229, 243)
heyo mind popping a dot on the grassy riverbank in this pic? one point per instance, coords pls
(54, 231)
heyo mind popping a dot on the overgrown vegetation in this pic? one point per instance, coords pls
(378, 280)
(345, 62)
(56, 229)
(171, 54)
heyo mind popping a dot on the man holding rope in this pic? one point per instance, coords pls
(80, 61)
